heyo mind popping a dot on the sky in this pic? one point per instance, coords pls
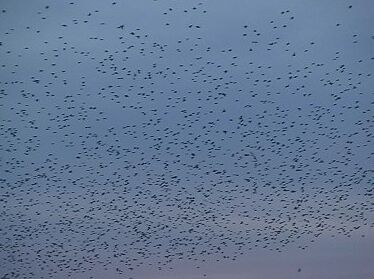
(186, 139)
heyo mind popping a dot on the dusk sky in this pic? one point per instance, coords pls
(166, 139)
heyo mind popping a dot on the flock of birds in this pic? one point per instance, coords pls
(134, 135)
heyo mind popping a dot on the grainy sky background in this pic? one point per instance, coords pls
(186, 139)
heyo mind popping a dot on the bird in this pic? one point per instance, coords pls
(183, 137)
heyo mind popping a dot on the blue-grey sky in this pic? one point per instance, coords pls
(186, 139)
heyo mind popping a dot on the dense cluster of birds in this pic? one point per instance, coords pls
(138, 134)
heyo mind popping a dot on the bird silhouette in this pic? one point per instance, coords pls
(138, 136)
